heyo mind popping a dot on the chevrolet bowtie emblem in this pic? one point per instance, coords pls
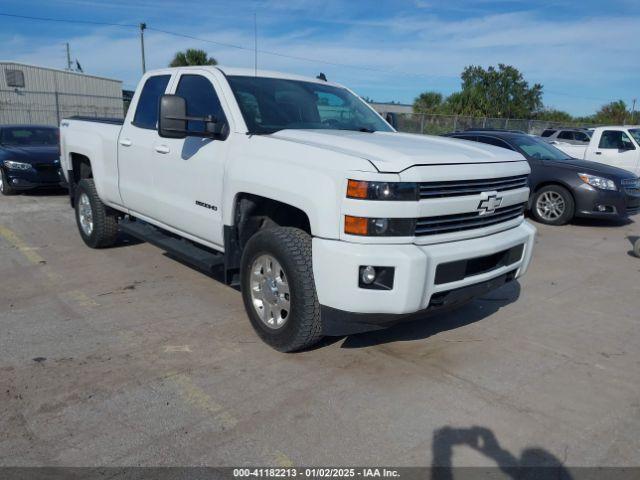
(489, 204)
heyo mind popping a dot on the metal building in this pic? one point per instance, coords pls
(39, 95)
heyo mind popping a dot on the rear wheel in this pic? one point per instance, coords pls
(98, 226)
(553, 205)
(278, 288)
(5, 187)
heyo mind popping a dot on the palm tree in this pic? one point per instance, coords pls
(192, 56)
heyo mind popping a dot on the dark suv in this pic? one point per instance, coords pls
(563, 187)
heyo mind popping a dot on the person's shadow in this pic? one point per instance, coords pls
(534, 462)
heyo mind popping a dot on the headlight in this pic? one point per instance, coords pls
(11, 165)
(379, 227)
(382, 190)
(598, 182)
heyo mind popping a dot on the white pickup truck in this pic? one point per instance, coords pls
(618, 146)
(332, 222)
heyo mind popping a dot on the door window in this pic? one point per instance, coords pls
(581, 137)
(147, 110)
(548, 133)
(615, 139)
(565, 135)
(201, 99)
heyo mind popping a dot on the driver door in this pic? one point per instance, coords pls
(189, 172)
(616, 148)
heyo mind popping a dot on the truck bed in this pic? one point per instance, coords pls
(112, 121)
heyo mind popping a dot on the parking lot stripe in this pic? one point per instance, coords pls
(28, 252)
(198, 398)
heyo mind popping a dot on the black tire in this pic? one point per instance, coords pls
(636, 248)
(568, 208)
(291, 247)
(105, 222)
(6, 189)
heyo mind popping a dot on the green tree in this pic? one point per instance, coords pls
(500, 92)
(192, 56)
(427, 102)
(613, 113)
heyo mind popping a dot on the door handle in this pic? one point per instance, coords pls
(125, 142)
(598, 153)
(162, 149)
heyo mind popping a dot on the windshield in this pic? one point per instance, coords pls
(635, 133)
(272, 104)
(536, 148)
(29, 136)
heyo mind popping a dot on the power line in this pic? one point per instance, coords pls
(62, 20)
(254, 50)
(228, 45)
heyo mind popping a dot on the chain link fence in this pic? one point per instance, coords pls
(433, 124)
(48, 108)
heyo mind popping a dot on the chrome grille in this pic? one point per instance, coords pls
(471, 187)
(466, 221)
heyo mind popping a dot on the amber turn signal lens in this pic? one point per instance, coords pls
(355, 225)
(357, 189)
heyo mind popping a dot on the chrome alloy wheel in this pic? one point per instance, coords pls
(270, 291)
(85, 214)
(550, 206)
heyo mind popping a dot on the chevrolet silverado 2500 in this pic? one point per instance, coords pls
(332, 222)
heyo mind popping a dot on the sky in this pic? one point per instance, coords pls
(584, 53)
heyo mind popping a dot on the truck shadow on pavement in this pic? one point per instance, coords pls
(424, 327)
(534, 462)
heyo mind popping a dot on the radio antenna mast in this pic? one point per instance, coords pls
(255, 44)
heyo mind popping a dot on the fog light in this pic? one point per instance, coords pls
(368, 275)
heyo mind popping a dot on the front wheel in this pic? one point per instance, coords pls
(278, 288)
(5, 186)
(553, 205)
(98, 225)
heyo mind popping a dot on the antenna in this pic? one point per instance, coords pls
(255, 44)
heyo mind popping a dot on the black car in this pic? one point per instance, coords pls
(563, 187)
(29, 157)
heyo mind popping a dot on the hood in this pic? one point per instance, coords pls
(28, 154)
(394, 152)
(595, 168)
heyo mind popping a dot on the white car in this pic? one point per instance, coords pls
(618, 146)
(333, 222)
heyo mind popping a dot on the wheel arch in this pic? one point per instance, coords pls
(549, 183)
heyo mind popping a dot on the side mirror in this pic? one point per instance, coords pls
(392, 119)
(173, 121)
(172, 117)
(625, 147)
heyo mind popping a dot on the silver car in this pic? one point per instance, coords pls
(574, 136)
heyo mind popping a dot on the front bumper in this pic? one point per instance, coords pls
(616, 204)
(348, 308)
(34, 178)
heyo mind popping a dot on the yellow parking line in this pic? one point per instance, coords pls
(198, 398)
(27, 251)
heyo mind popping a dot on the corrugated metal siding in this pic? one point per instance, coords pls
(49, 95)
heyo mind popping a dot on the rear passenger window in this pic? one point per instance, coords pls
(147, 110)
(201, 99)
(547, 133)
(565, 135)
(494, 141)
(582, 137)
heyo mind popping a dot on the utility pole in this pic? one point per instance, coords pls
(143, 26)
(633, 111)
(68, 57)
